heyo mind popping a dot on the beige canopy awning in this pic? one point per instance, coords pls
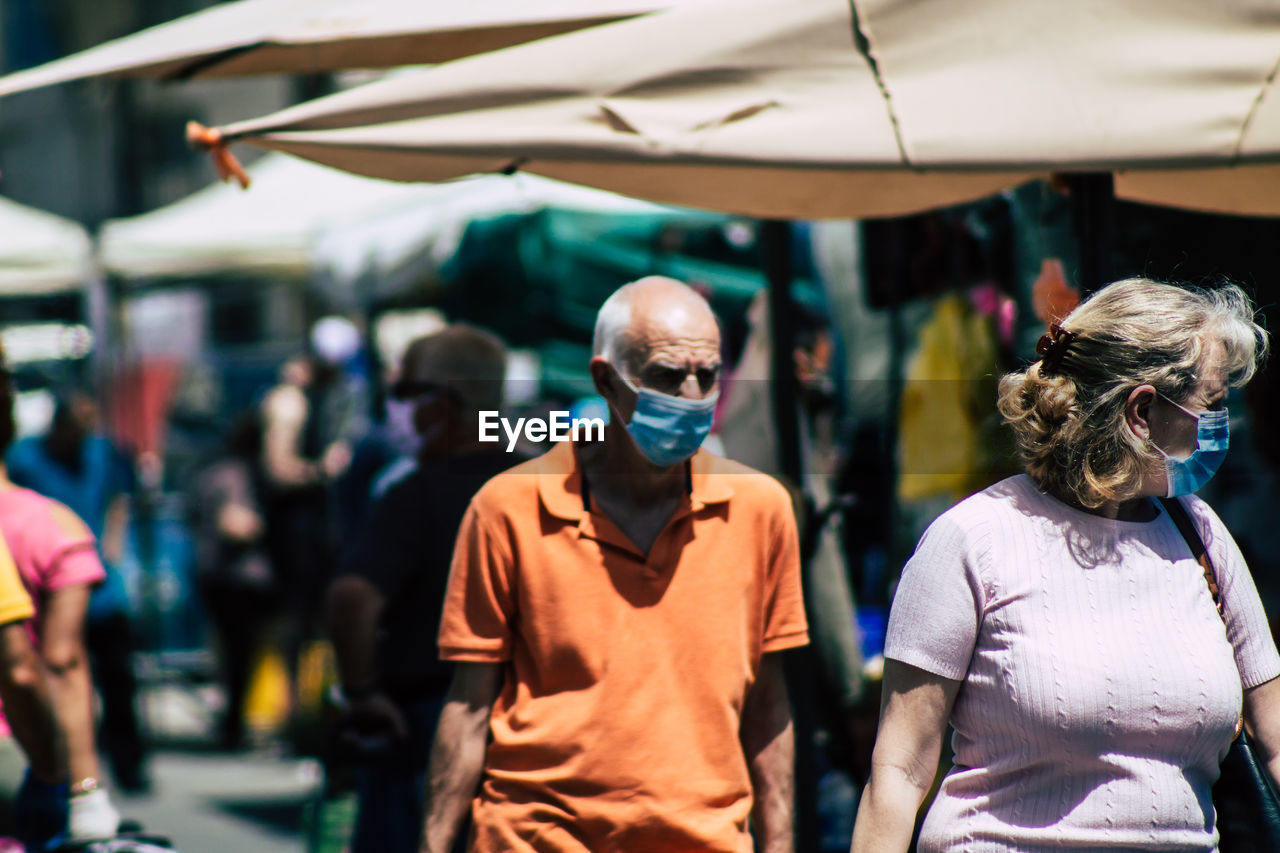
(304, 221)
(795, 108)
(310, 36)
(41, 253)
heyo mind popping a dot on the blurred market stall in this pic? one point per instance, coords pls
(51, 300)
(41, 253)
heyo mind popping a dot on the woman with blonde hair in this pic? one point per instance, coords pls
(1059, 621)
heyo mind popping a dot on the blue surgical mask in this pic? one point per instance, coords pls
(667, 429)
(1212, 438)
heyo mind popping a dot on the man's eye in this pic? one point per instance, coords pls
(665, 378)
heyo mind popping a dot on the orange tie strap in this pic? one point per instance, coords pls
(210, 139)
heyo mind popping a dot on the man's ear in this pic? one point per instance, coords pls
(1137, 410)
(602, 377)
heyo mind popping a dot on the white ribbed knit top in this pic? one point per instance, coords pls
(1099, 688)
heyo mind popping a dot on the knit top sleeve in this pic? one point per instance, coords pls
(937, 609)
(1247, 626)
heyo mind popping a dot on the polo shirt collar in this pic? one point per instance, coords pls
(560, 482)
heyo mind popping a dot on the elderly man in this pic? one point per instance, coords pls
(384, 607)
(615, 610)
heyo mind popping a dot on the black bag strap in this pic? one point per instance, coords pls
(1178, 513)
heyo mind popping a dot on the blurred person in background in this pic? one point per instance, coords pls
(77, 465)
(384, 608)
(302, 456)
(236, 578)
(58, 563)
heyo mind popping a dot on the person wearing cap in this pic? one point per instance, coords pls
(1059, 621)
(384, 607)
(616, 609)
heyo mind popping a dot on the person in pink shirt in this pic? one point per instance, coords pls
(1059, 621)
(58, 563)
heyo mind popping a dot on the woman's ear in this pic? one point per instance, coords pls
(1137, 411)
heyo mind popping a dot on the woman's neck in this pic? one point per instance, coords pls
(1134, 509)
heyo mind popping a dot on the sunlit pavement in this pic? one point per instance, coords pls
(213, 802)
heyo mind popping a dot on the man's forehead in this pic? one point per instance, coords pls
(674, 322)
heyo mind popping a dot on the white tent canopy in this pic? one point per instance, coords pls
(311, 222)
(309, 36)
(41, 253)
(823, 108)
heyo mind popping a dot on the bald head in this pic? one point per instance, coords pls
(653, 311)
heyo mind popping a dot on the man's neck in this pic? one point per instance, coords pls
(615, 467)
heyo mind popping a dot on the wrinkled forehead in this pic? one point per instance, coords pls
(680, 325)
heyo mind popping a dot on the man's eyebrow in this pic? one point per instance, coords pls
(666, 365)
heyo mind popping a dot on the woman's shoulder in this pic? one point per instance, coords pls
(1198, 508)
(1017, 494)
(1212, 529)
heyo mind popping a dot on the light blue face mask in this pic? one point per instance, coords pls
(666, 429)
(1212, 438)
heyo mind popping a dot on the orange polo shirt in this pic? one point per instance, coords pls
(617, 725)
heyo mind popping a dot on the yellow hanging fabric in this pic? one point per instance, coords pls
(948, 406)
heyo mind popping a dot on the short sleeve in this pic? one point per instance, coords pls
(15, 604)
(785, 626)
(937, 609)
(1247, 626)
(64, 549)
(479, 606)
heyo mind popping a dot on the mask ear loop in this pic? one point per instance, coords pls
(1173, 402)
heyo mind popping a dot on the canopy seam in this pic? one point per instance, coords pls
(1253, 111)
(863, 43)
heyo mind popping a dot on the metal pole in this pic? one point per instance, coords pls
(1093, 213)
(776, 240)
(800, 670)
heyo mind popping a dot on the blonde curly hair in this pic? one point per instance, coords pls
(1069, 422)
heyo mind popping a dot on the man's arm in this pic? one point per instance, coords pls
(27, 706)
(284, 412)
(70, 686)
(352, 611)
(768, 741)
(457, 756)
(62, 647)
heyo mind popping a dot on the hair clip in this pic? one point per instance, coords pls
(1053, 346)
